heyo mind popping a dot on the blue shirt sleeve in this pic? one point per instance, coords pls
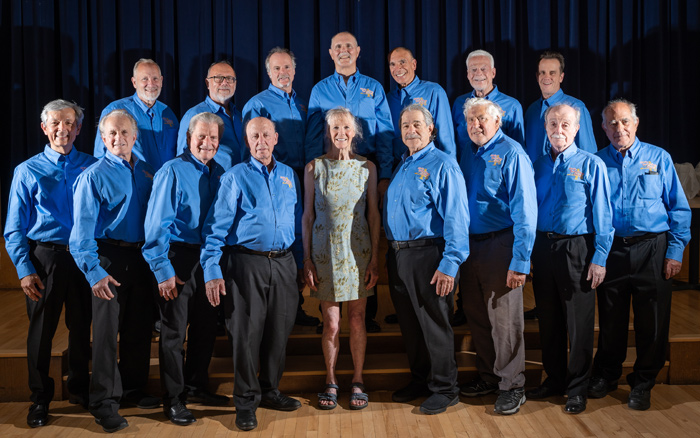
(384, 135)
(218, 226)
(679, 213)
(585, 138)
(314, 127)
(602, 211)
(443, 120)
(520, 184)
(516, 130)
(182, 132)
(161, 213)
(451, 203)
(19, 211)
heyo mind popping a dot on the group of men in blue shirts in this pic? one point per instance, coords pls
(488, 188)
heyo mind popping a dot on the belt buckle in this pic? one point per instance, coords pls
(269, 254)
(550, 235)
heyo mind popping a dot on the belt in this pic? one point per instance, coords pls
(555, 236)
(53, 246)
(486, 236)
(403, 244)
(186, 245)
(634, 239)
(268, 254)
(122, 243)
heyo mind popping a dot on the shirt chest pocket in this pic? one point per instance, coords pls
(650, 186)
(575, 192)
(366, 107)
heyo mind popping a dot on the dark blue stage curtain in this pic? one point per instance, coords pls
(644, 50)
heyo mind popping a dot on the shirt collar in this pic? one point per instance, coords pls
(260, 167)
(143, 106)
(215, 107)
(281, 93)
(189, 156)
(55, 157)
(118, 160)
(353, 78)
(491, 96)
(631, 152)
(418, 155)
(491, 143)
(410, 87)
(568, 153)
(554, 98)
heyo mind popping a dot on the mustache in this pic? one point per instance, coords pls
(558, 136)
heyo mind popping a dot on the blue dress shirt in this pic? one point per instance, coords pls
(365, 98)
(110, 201)
(254, 208)
(157, 137)
(647, 196)
(502, 194)
(232, 148)
(426, 199)
(41, 203)
(573, 198)
(511, 123)
(536, 141)
(289, 114)
(431, 96)
(183, 191)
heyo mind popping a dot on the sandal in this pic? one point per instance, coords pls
(328, 397)
(358, 396)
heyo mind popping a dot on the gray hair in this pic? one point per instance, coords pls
(632, 107)
(145, 61)
(223, 61)
(476, 53)
(119, 113)
(558, 106)
(426, 116)
(346, 33)
(58, 105)
(279, 49)
(492, 108)
(344, 112)
(206, 118)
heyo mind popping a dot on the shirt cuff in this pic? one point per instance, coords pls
(521, 266)
(449, 268)
(96, 275)
(164, 273)
(674, 254)
(599, 259)
(212, 273)
(25, 269)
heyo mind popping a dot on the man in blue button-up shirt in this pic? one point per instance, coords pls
(550, 74)
(503, 205)
(39, 220)
(256, 216)
(651, 217)
(574, 234)
(183, 190)
(410, 89)
(221, 82)
(110, 203)
(157, 136)
(426, 221)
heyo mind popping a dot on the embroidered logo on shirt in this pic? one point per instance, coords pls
(168, 122)
(423, 173)
(148, 175)
(83, 168)
(649, 166)
(302, 108)
(420, 101)
(286, 181)
(496, 159)
(576, 173)
(367, 92)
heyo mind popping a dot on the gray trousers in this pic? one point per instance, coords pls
(494, 311)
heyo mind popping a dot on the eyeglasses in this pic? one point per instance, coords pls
(220, 79)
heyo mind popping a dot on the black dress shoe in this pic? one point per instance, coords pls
(531, 314)
(410, 392)
(542, 391)
(371, 326)
(458, 319)
(305, 320)
(391, 318)
(599, 387)
(38, 415)
(280, 403)
(140, 399)
(639, 399)
(79, 399)
(179, 414)
(206, 398)
(438, 403)
(245, 420)
(112, 424)
(575, 404)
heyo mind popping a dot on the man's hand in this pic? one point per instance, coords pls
(101, 288)
(31, 285)
(515, 279)
(310, 276)
(671, 268)
(168, 288)
(443, 283)
(596, 275)
(215, 289)
(382, 187)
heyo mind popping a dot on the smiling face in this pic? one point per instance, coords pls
(415, 132)
(344, 52)
(402, 67)
(204, 141)
(119, 136)
(148, 83)
(341, 131)
(61, 128)
(480, 75)
(223, 92)
(282, 71)
(261, 139)
(549, 77)
(481, 126)
(561, 126)
(620, 125)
